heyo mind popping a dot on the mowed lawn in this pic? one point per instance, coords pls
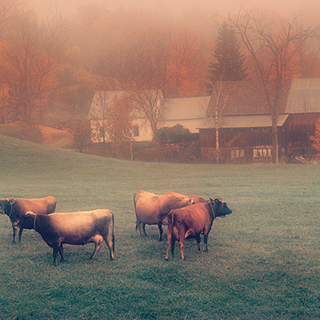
(263, 260)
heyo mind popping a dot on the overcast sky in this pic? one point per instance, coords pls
(223, 7)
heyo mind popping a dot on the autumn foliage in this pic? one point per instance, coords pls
(316, 138)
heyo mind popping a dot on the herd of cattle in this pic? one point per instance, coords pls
(185, 217)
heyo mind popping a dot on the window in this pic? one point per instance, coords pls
(136, 132)
(302, 151)
(262, 153)
(237, 153)
(101, 132)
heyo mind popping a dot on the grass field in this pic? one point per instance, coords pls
(263, 260)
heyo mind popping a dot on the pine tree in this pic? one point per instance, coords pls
(229, 60)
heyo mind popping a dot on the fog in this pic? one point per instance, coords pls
(179, 7)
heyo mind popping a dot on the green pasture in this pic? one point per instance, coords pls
(263, 260)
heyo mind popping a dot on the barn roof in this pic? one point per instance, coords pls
(185, 108)
(245, 98)
(244, 121)
(304, 96)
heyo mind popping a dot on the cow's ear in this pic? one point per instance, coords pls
(12, 201)
(217, 201)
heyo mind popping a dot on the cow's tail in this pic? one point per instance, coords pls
(113, 238)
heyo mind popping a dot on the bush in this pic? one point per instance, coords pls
(178, 133)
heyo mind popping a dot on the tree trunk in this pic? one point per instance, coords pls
(217, 137)
(156, 140)
(275, 143)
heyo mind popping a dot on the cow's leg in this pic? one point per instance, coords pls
(205, 242)
(144, 228)
(160, 230)
(181, 244)
(55, 254)
(173, 241)
(14, 234)
(61, 252)
(110, 246)
(97, 245)
(182, 233)
(138, 226)
(20, 234)
(169, 237)
(198, 241)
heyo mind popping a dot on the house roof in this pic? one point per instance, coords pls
(101, 100)
(185, 108)
(304, 96)
(244, 121)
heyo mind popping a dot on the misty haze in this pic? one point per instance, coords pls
(130, 126)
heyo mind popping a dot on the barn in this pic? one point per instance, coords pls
(244, 122)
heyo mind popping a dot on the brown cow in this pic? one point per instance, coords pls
(190, 222)
(77, 228)
(198, 199)
(13, 208)
(151, 208)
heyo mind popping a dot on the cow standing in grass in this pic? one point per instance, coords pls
(13, 208)
(77, 228)
(152, 209)
(190, 222)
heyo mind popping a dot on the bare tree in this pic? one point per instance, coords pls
(272, 46)
(150, 104)
(30, 55)
(100, 116)
(218, 101)
(152, 57)
(6, 9)
(186, 63)
(111, 119)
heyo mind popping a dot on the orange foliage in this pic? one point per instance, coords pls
(183, 69)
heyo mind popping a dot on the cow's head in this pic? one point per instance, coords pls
(220, 207)
(27, 220)
(5, 205)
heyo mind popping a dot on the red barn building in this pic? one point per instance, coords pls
(244, 121)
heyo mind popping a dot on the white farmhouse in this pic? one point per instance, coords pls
(188, 112)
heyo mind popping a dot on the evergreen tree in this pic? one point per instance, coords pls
(228, 65)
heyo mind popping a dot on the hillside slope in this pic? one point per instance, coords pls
(56, 138)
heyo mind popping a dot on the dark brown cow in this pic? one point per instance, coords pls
(77, 228)
(190, 222)
(13, 208)
(151, 208)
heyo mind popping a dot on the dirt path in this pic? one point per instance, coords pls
(56, 138)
